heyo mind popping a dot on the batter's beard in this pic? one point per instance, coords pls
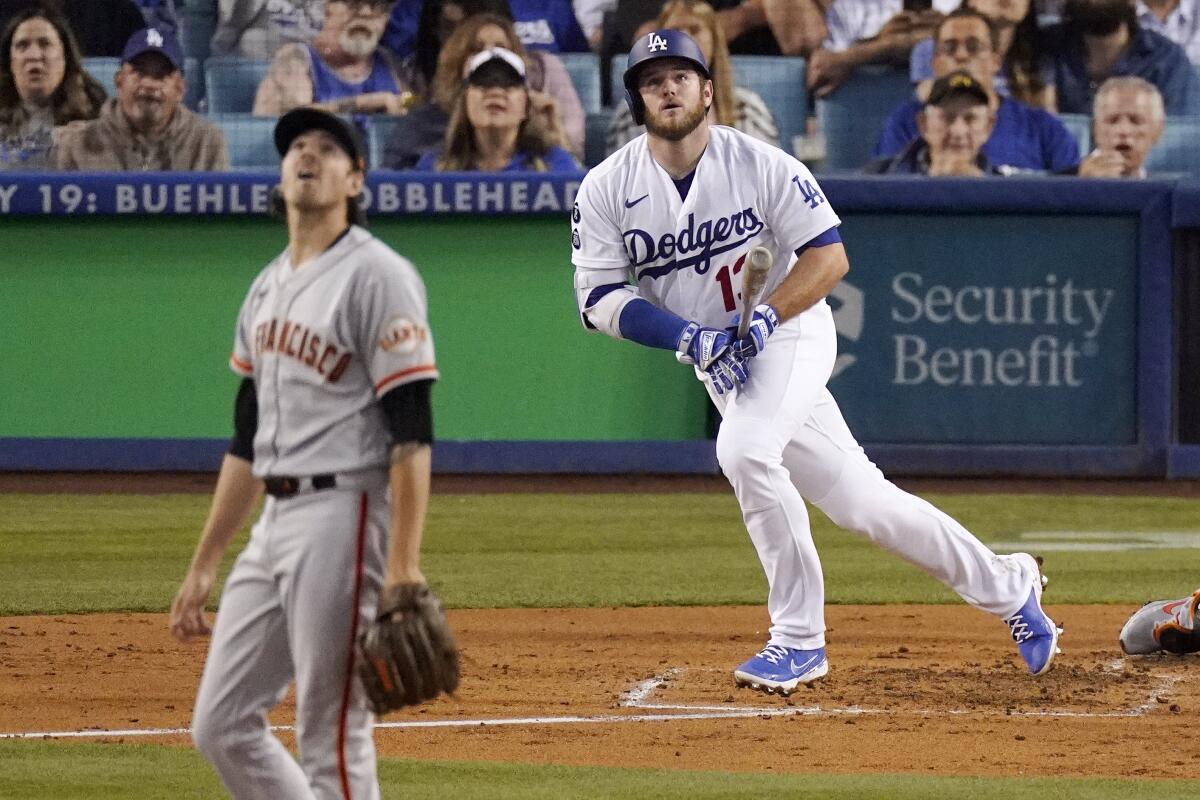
(678, 129)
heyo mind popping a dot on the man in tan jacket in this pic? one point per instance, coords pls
(146, 126)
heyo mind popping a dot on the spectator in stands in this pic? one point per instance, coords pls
(259, 28)
(548, 25)
(1127, 122)
(1100, 39)
(418, 38)
(1178, 20)
(869, 32)
(343, 70)
(1016, 25)
(554, 98)
(732, 105)
(101, 27)
(160, 15)
(1024, 138)
(954, 123)
(42, 85)
(146, 126)
(759, 27)
(492, 127)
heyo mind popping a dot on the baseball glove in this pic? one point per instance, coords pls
(1164, 625)
(407, 655)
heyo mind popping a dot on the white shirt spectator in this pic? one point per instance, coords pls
(850, 21)
(590, 14)
(1182, 26)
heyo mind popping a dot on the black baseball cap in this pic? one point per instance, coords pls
(957, 84)
(301, 120)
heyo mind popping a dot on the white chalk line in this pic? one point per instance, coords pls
(638, 698)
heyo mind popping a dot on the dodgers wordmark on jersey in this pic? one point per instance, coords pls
(323, 343)
(685, 254)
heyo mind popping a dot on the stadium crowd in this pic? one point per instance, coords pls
(982, 87)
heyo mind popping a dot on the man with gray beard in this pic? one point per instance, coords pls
(146, 126)
(343, 71)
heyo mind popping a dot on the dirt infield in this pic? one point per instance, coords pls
(932, 690)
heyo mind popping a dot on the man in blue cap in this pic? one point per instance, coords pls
(146, 127)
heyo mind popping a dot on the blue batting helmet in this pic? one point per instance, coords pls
(665, 43)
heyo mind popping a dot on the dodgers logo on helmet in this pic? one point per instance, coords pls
(657, 43)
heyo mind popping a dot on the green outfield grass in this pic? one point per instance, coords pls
(71, 771)
(70, 554)
(75, 553)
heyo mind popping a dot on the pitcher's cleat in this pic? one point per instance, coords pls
(779, 670)
(1032, 629)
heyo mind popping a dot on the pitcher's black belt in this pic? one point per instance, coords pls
(288, 486)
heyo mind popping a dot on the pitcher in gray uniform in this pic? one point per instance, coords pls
(333, 421)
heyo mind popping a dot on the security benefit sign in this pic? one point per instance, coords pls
(988, 330)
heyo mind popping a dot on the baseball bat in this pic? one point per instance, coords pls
(754, 280)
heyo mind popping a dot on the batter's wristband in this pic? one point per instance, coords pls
(685, 338)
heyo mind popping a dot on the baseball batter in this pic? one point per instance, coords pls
(660, 234)
(333, 412)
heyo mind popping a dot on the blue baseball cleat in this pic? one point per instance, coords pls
(1032, 629)
(779, 670)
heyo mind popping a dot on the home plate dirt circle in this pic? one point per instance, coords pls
(933, 690)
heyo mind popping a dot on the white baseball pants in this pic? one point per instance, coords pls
(783, 439)
(307, 581)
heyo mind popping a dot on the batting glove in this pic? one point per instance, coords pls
(763, 322)
(712, 352)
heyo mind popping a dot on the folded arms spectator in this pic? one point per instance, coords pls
(493, 127)
(955, 122)
(1127, 122)
(258, 28)
(1024, 138)
(343, 71)
(868, 32)
(1100, 39)
(146, 126)
(758, 27)
(42, 85)
(732, 105)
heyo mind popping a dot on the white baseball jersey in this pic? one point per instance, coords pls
(686, 254)
(782, 436)
(323, 343)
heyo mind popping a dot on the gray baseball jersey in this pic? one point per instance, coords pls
(323, 343)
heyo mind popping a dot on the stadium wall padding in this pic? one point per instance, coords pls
(1017, 326)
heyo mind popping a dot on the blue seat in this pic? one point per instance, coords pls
(104, 69)
(780, 82)
(232, 83)
(584, 69)
(1178, 151)
(1080, 126)
(852, 117)
(379, 132)
(595, 136)
(197, 21)
(250, 139)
